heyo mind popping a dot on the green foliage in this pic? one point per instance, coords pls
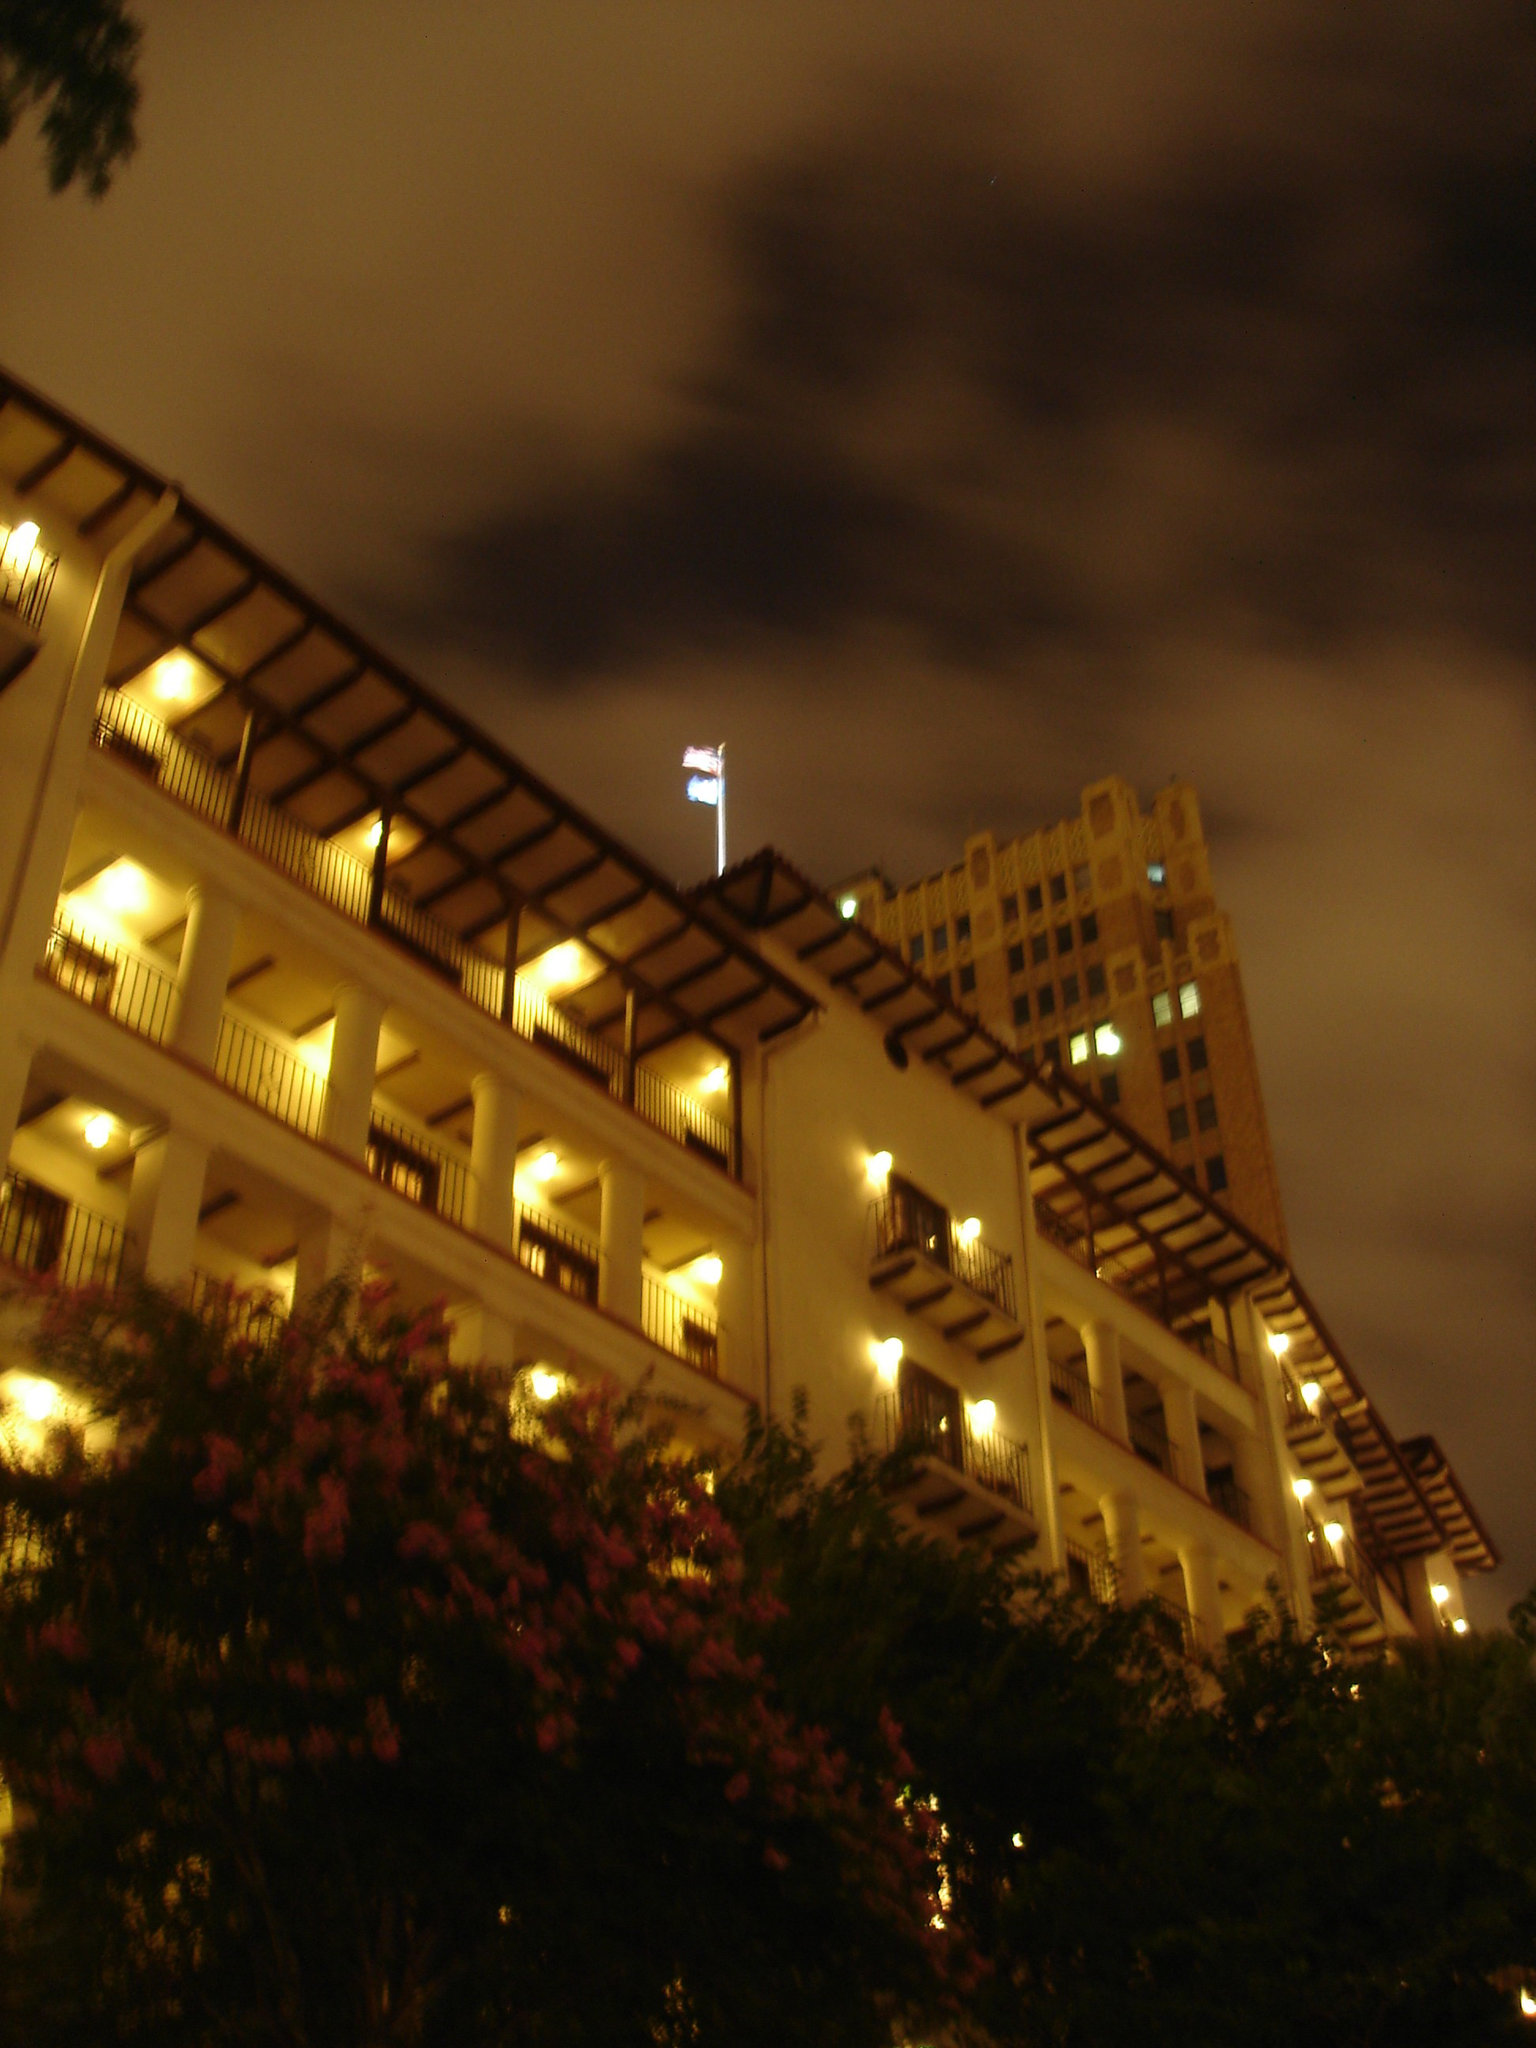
(336, 1713)
(76, 60)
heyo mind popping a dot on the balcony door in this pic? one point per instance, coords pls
(917, 1222)
(931, 1412)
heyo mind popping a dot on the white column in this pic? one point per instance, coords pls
(354, 1058)
(1101, 1342)
(1261, 1472)
(1122, 1531)
(735, 1300)
(165, 1198)
(201, 982)
(15, 1067)
(1183, 1424)
(1254, 1472)
(621, 1240)
(492, 1159)
(1202, 1594)
(482, 1337)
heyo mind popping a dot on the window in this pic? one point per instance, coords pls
(1162, 1008)
(1109, 1088)
(1058, 888)
(941, 939)
(962, 927)
(1051, 1050)
(1089, 929)
(1010, 910)
(917, 948)
(1063, 938)
(1021, 1009)
(967, 980)
(1215, 1173)
(1033, 900)
(1081, 878)
(1168, 1060)
(1039, 948)
(1205, 1113)
(1069, 991)
(1195, 1050)
(1077, 1048)
(1189, 998)
(1178, 1123)
(1163, 919)
(1157, 874)
(1045, 1001)
(1106, 1041)
(1016, 959)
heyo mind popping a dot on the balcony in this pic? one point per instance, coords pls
(1229, 1499)
(1318, 1438)
(1340, 1569)
(45, 1234)
(1176, 1626)
(1090, 1573)
(323, 870)
(1071, 1388)
(974, 1486)
(26, 578)
(953, 1281)
(1153, 1445)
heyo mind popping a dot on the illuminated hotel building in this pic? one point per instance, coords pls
(304, 975)
(1097, 944)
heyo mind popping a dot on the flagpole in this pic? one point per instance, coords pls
(720, 816)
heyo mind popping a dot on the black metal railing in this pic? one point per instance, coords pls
(681, 1327)
(1071, 1386)
(1305, 1414)
(1090, 1572)
(1152, 1444)
(26, 578)
(131, 734)
(1229, 1499)
(993, 1460)
(44, 1233)
(1343, 1555)
(268, 1075)
(235, 1311)
(1175, 1624)
(904, 1222)
(109, 978)
(1213, 1349)
(554, 1253)
(407, 1162)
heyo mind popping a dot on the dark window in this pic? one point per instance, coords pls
(917, 948)
(1033, 900)
(1039, 948)
(1195, 1048)
(1051, 1050)
(1063, 938)
(550, 1257)
(1215, 1173)
(1015, 959)
(1178, 1122)
(1010, 909)
(1058, 888)
(962, 928)
(1021, 1009)
(1045, 1001)
(1069, 993)
(1163, 919)
(1168, 1060)
(400, 1166)
(941, 938)
(1109, 1088)
(1096, 982)
(1090, 928)
(967, 980)
(1205, 1112)
(1081, 877)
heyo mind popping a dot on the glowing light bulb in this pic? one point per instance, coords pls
(1459, 1625)
(709, 1269)
(1279, 1343)
(715, 1080)
(561, 963)
(546, 1166)
(970, 1230)
(1311, 1392)
(877, 1168)
(124, 887)
(173, 679)
(886, 1352)
(1334, 1531)
(545, 1384)
(18, 549)
(849, 907)
(98, 1131)
(984, 1417)
(1527, 2004)
(37, 1399)
(1106, 1041)
(374, 833)
(1302, 1488)
(1439, 1594)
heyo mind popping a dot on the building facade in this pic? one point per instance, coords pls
(1097, 943)
(303, 974)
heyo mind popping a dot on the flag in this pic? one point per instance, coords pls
(707, 758)
(703, 789)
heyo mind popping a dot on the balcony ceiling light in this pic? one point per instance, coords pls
(877, 1168)
(709, 1269)
(172, 678)
(716, 1080)
(1302, 1488)
(563, 966)
(1311, 1392)
(984, 1417)
(546, 1166)
(1439, 1594)
(123, 886)
(1279, 1343)
(886, 1352)
(98, 1131)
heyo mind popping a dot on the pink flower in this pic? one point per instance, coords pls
(738, 1787)
(103, 1754)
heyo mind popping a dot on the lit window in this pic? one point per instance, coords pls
(1215, 1173)
(1063, 938)
(1021, 1009)
(1077, 1047)
(1189, 999)
(1178, 1123)
(1097, 986)
(919, 946)
(1033, 900)
(1106, 1041)
(1069, 991)
(1015, 959)
(1045, 1001)
(1040, 948)
(1089, 928)
(1205, 1113)
(849, 907)
(962, 928)
(1168, 1060)
(1162, 1008)
(1109, 1088)
(1157, 874)
(967, 980)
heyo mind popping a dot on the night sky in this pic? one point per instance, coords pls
(944, 405)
